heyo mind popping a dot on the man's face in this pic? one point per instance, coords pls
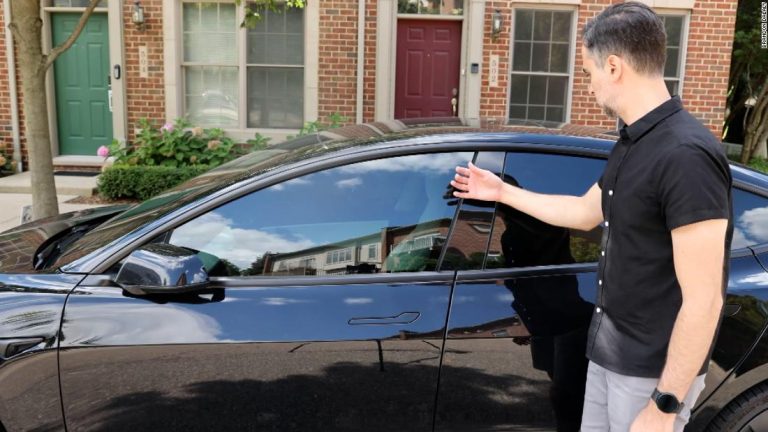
(600, 84)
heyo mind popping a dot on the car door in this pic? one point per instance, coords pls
(514, 353)
(325, 312)
(516, 337)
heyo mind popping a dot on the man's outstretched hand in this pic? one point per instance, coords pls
(476, 183)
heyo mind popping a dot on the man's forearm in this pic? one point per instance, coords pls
(559, 210)
(689, 345)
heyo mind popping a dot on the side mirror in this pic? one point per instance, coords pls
(160, 268)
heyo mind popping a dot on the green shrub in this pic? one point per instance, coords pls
(759, 164)
(177, 144)
(143, 182)
(6, 164)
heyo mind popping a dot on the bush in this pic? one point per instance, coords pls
(143, 182)
(6, 164)
(759, 165)
(177, 144)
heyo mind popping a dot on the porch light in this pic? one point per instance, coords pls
(138, 15)
(496, 22)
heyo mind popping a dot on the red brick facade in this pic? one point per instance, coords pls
(145, 97)
(710, 36)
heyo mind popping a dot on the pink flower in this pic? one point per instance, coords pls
(197, 131)
(103, 151)
(213, 144)
(168, 127)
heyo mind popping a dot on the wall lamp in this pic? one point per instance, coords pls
(138, 15)
(496, 22)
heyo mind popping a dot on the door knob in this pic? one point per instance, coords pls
(454, 103)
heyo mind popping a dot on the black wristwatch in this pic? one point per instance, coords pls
(666, 402)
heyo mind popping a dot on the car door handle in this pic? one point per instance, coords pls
(12, 347)
(403, 318)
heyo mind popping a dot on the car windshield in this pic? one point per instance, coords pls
(252, 164)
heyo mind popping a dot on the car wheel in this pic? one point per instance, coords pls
(746, 413)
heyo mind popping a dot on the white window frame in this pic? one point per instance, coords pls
(174, 75)
(684, 31)
(571, 53)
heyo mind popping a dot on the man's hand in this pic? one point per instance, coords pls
(477, 183)
(651, 419)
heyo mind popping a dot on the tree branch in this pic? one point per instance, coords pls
(56, 52)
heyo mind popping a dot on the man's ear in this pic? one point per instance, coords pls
(614, 67)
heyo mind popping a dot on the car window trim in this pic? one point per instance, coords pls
(399, 278)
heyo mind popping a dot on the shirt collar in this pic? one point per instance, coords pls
(639, 128)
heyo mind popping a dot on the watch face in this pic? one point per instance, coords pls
(667, 403)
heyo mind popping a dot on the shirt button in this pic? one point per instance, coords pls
(606, 223)
(602, 253)
(598, 310)
(610, 192)
(600, 282)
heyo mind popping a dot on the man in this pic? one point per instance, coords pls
(665, 204)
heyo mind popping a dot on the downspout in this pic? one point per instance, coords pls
(12, 86)
(360, 58)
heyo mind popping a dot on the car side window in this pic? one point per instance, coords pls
(519, 240)
(384, 215)
(750, 219)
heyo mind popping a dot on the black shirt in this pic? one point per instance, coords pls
(667, 170)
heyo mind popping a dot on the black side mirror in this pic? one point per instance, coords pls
(160, 268)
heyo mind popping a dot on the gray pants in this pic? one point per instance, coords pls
(613, 401)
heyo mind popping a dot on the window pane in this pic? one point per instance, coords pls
(555, 114)
(542, 26)
(561, 26)
(278, 39)
(672, 86)
(522, 240)
(432, 7)
(538, 91)
(523, 25)
(275, 97)
(750, 219)
(558, 58)
(318, 223)
(517, 112)
(535, 113)
(522, 60)
(670, 67)
(209, 33)
(558, 86)
(518, 91)
(211, 95)
(673, 26)
(540, 58)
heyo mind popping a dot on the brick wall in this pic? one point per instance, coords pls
(369, 76)
(337, 76)
(145, 97)
(710, 38)
(6, 135)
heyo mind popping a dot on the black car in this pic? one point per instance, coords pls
(333, 282)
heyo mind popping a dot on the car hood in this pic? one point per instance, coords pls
(18, 245)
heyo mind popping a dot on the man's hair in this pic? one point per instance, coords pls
(632, 31)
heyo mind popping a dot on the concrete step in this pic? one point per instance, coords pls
(65, 184)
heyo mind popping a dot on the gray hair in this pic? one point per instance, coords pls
(632, 31)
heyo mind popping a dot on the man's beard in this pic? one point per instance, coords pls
(610, 112)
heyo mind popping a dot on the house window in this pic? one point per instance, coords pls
(372, 251)
(272, 68)
(431, 7)
(674, 26)
(540, 70)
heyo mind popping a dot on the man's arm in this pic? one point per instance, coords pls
(698, 250)
(583, 213)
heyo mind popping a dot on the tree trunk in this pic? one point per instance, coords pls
(27, 26)
(757, 126)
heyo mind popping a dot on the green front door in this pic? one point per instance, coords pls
(81, 73)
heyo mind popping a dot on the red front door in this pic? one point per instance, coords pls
(428, 56)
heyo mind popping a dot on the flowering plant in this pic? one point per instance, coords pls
(177, 144)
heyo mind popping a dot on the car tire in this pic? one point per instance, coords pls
(746, 413)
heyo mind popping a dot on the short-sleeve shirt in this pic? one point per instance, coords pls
(666, 171)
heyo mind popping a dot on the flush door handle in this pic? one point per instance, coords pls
(403, 318)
